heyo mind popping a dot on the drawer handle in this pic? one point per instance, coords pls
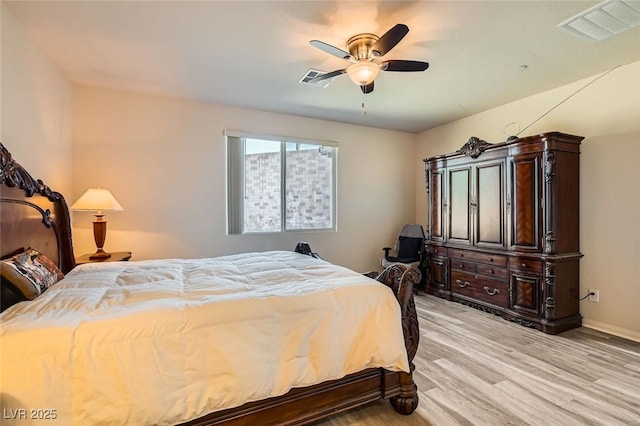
(461, 266)
(462, 255)
(491, 271)
(524, 265)
(491, 259)
(491, 292)
(462, 284)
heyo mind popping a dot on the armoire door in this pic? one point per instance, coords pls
(438, 273)
(458, 208)
(488, 204)
(523, 203)
(436, 204)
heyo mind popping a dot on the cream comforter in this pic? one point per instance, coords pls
(166, 341)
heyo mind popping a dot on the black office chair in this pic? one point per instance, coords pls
(409, 249)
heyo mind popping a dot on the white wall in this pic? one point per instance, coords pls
(607, 113)
(164, 160)
(35, 123)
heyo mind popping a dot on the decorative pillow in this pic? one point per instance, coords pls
(31, 272)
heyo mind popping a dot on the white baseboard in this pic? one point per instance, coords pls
(612, 329)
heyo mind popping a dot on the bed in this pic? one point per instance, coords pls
(254, 338)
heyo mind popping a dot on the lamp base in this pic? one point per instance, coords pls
(99, 235)
(100, 255)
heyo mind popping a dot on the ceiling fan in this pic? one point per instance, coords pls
(364, 49)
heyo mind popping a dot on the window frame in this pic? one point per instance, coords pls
(236, 176)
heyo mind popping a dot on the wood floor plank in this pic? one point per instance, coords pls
(474, 368)
(595, 414)
(471, 410)
(536, 410)
(632, 366)
(436, 413)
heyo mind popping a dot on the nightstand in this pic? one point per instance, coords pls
(115, 257)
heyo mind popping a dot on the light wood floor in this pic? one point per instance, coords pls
(474, 368)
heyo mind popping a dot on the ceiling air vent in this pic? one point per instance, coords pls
(313, 74)
(604, 20)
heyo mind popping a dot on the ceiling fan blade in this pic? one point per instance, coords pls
(368, 88)
(331, 50)
(389, 40)
(403, 66)
(327, 75)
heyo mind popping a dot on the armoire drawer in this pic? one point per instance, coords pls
(495, 292)
(437, 250)
(523, 264)
(492, 271)
(487, 290)
(468, 267)
(461, 281)
(474, 256)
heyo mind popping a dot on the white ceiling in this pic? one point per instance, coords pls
(252, 53)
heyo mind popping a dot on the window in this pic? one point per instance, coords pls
(278, 184)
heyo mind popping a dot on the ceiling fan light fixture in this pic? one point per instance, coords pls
(363, 72)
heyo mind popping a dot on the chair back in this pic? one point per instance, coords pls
(410, 242)
(412, 231)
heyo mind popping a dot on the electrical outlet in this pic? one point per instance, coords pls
(595, 297)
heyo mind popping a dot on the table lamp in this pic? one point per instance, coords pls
(98, 200)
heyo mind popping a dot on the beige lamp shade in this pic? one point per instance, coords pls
(97, 199)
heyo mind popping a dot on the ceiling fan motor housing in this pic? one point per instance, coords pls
(360, 46)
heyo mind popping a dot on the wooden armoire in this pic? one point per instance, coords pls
(503, 228)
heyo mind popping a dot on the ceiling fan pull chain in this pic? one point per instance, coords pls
(364, 108)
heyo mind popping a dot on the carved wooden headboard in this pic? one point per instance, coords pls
(32, 215)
